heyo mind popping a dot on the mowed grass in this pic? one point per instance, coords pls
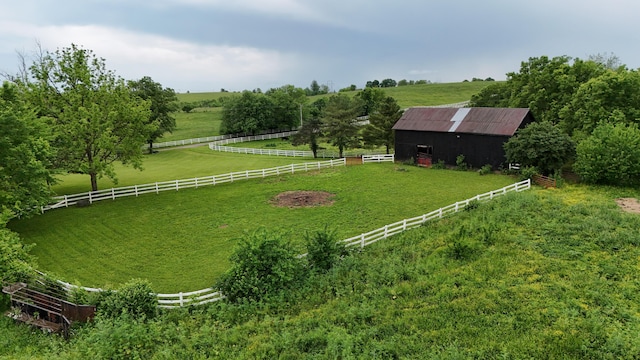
(198, 123)
(175, 164)
(181, 241)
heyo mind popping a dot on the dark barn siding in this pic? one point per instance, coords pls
(478, 150)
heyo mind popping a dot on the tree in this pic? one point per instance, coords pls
(15, 262)
(246, 113)
(314, 87)
(340, 121)
(95, 118)
(25, 155)
(371, 97)
(288, 107)
(603, 98)
(388, 83)
(610, 155)
(163, 103)
(379, 130)
(309, 133)
(544, 85)
(542, 145)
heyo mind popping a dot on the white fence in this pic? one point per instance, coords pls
(135, 190)
(378, 158)
(205, 296)
(192, 141)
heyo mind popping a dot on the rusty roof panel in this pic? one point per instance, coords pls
(488, 121)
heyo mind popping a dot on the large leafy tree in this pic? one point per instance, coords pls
(542, 145)
(614, 96)
(379, 130)
(544, 85)
(24, 155)
(610, 155)
(163, 103)
(247, 113)
(371, 97)
(96, 119)
(288, 106)
(340, 121)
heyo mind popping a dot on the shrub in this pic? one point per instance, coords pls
(611, 155)
(460, 164)
(527, 172)
(440, 165)
(323, 249)
(135, 299)
(486, 169)
(263, 264)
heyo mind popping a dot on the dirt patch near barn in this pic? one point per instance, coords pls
(295, 199)
(631, 205)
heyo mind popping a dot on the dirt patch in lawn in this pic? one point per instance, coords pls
(631, 205)
(295, 199)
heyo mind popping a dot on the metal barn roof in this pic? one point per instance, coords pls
(487, 121)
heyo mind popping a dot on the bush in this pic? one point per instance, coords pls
(323, 249)
(135, 299)
(440, 165)
(263, 264)
(611, 155)
(460, 164)
(527, 172)
(486, 169)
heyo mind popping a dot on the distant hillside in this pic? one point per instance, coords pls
(411, 95)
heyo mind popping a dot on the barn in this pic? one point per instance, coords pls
(429, 135)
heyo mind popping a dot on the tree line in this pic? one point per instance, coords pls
(334, 118)
(587, 113)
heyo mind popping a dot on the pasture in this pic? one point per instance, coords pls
(201, 122)
(181, 241)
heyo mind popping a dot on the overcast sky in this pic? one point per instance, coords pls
(206, 45)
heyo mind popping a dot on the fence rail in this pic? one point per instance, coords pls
(196, 140)
(378, 158)
(135, 190)
(205, 296)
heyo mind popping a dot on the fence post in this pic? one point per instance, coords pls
(181, 300)
(157, 190)
(90, 199)
(404, 224)
(177, 186)
(196, 183)
(361, 240)
(135, 187)
(66, 201)
(440, 213)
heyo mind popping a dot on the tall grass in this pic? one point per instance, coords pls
(529, 288)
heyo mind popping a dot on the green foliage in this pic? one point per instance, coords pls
(340, 123)
(527, 172)
(252, 112)
(485, 169)
(24, 156)
(16, 264)
(379, 131)
(611, 155)
(461, 165)
(262, 265)
(309, 133)
(614, 96)
(371, 98)
(323, 249)
(134, 299)
(439, 165)
(163, 103)
(95, 117)
(540, 144)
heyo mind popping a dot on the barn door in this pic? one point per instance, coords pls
(424, 155)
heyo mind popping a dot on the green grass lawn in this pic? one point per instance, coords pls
(173, 165)
(181, 241)
(282, 144)
(198, 123)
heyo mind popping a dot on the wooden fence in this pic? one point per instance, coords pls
(135, 190)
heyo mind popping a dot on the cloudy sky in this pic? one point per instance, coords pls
(206, 45)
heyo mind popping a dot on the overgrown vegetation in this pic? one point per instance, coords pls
(550, 276)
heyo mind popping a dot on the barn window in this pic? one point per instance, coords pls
(425, 150)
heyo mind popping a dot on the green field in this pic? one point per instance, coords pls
(203, 122)
(181, 240)
(176, 164)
